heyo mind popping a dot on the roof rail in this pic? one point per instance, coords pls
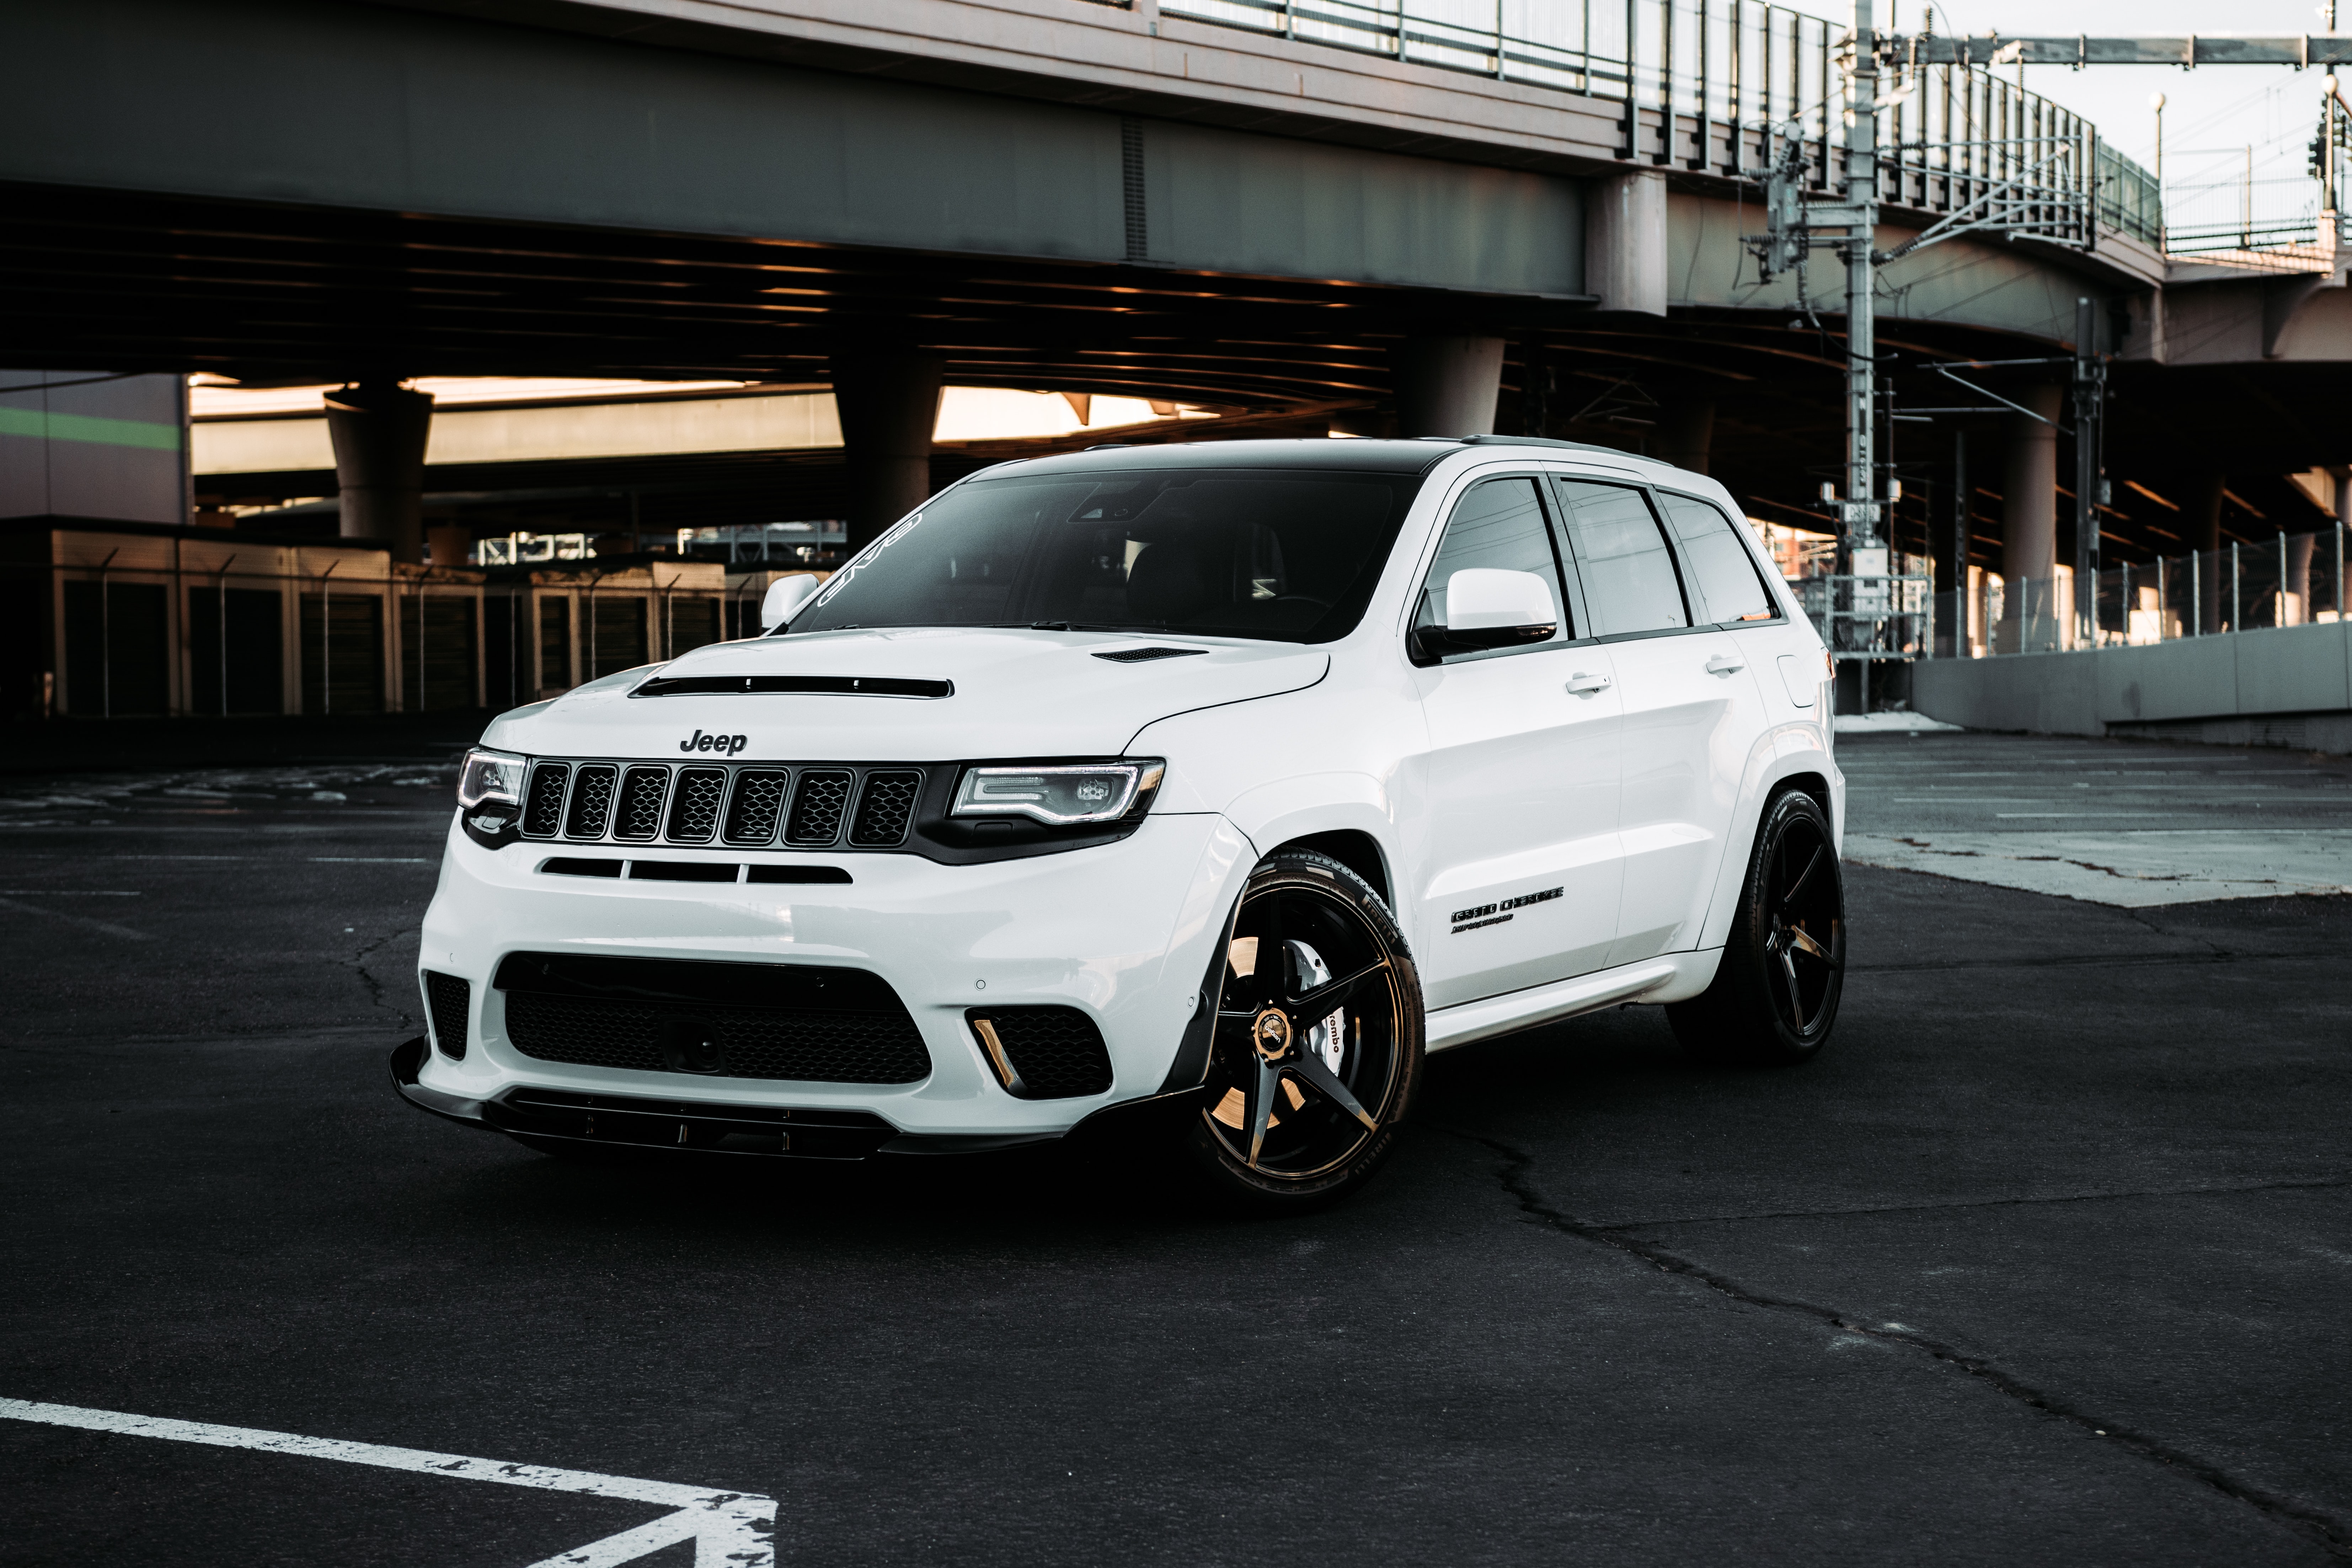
(1544, 441)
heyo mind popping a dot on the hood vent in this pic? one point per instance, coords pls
(1143, 655)
(805, 685)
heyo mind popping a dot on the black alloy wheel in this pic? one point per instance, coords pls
(1775, 995)
(1318, 1047)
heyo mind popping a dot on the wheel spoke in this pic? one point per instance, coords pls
(1273, 957)
(1332, 995)
(1261, 1105)
(1789, 897)
(1796, 998)
(1324, 1081)
(1803, 942)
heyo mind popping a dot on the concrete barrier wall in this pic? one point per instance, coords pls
(2233, 687)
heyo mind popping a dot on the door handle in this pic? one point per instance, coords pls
(1585, 685)
(1724, 664)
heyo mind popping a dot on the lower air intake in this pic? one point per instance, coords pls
(450, 1001)
(1058, 1052)
(805, 1023)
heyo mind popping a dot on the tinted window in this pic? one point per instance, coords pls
(1282, 556)
(1500, 524)
(1723, 578)
(1629, 578)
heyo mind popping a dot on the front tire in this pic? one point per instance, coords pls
(1775, 995)
(1316, 1054)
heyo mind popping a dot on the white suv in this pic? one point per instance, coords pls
(1212, 783)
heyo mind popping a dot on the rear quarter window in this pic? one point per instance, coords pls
(1723, 574)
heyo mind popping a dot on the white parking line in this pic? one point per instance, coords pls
(729, 1530)
(107, 927)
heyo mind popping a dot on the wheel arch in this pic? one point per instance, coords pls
(1352, 847)
(1772, 771)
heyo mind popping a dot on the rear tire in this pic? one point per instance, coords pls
(1775, 995)
(1316, 1057)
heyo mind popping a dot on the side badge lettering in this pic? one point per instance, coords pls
(1483, 915)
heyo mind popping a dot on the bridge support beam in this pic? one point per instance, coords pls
(890, 405)
(2204, 521)
(1625, 242)
(1447, 386)
(379, 429)
(2029, 529)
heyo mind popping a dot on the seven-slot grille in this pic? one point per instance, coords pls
(741, 807)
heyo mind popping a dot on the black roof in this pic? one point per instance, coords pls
(1329, 456)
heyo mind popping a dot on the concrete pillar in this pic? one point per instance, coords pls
(1447, 386)
(1625, 241)
(890, 405)
(1686, 431)
(2296, 610)
(379, 430)
(2204, 521)
(2029, 529)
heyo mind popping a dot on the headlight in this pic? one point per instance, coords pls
(1060, 793)
(490, 777)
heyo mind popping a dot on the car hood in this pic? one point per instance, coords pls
(1017, 693)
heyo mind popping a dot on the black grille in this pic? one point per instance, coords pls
(641, 802)
(1145, 655)
(543, 811)
(1058, 1051)
(818, 806)
(450, 999)
(884, 808)
(759, 803)
(591, 801)
(801, 1022)
(694, 805)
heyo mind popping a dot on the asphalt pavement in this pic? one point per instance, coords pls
(2045, 1261)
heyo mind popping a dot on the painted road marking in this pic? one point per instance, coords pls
(107, 927)
(2130, 868)
(729, 1530)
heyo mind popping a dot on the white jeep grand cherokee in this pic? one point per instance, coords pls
(1212, 784)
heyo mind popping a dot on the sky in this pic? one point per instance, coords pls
(2211, 114)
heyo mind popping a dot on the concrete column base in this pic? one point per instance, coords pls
(379, 429)
(1447, 386)
(888, 405)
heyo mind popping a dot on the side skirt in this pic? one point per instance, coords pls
(1671, 977)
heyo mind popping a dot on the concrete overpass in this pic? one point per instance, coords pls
(1366, 230)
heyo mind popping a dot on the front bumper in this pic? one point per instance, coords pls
(1125, 932)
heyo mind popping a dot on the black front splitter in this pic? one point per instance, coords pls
(633, 1122)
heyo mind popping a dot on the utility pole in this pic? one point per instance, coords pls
(1862, 487)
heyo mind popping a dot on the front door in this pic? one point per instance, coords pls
(1521, 883)
(1692, 714)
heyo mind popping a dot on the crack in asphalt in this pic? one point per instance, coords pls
(376, 987)
(2333, 1535)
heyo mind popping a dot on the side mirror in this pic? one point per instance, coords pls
(1486, 608)
(786, 595)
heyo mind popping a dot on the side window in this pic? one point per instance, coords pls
(1723, 578)
(1630, 583)
(1500, 524)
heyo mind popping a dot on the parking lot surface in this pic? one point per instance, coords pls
(2043, 1261)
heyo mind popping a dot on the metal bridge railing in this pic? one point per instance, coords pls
(1700, 80)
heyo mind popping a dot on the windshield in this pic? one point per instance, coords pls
(1271, 554)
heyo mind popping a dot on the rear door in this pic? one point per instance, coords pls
(1521, 883)
(1783, 655)
(1692, 712)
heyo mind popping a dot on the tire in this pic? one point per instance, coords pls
(1775, 995)
(1295, 1117)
